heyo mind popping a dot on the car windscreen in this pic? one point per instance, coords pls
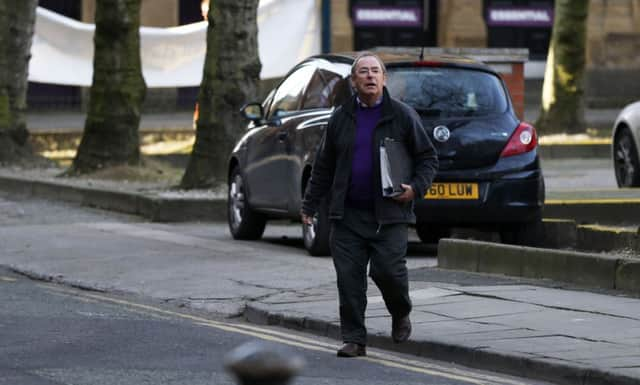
(439, 92)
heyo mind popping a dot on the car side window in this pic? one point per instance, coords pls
(319, 93)
(289, 94)
(267, 101)
(341, 92)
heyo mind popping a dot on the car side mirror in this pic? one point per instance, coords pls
(253, 112)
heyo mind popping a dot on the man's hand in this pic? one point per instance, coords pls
(306, 219)
(407, 195)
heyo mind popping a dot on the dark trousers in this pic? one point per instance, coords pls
(355, 241)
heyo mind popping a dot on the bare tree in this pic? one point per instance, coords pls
(17, 19)
(230, 78)
(111, 128)
(563, 90)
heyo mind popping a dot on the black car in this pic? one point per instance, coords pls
(489, 176)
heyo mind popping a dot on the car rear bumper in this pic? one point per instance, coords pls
(514, 198)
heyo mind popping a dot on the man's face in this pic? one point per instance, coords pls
(369, 78)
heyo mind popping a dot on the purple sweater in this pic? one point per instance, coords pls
(360, 194)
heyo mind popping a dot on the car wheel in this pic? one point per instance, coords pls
(316, 236)
(523, 234)
(625, 159)
(432, 233)
(244, 223)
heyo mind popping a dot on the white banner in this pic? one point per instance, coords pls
(62, 49)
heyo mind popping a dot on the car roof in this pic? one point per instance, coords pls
(394, 59)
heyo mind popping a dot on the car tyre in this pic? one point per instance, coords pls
(523, 234)
(316, 236)
(244, 223)
(625, 159)
(431, 233)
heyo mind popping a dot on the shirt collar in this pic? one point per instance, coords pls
(363, 105)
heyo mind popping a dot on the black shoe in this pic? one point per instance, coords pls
(400, 329)
(350, 349)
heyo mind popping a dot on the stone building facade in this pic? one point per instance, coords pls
(153, 13)
(613, 40)
(613, 35)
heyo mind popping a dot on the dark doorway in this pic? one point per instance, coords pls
(190, 12)
(68, 8)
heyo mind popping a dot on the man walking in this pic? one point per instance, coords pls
(366, 227)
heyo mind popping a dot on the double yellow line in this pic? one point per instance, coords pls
(268, 334)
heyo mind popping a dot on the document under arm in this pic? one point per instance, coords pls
(396, 167)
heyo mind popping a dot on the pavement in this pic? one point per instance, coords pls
(542, 329)
(568, 328)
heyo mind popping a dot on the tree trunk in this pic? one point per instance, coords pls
(563, 90)
(17, 19)
(5, 112)
(111, 128)
(230, 78)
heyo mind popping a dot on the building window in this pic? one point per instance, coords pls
(398, 23)
(520, 24)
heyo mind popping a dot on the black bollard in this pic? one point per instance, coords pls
(255, 363)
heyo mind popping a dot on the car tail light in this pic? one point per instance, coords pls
(524, 139)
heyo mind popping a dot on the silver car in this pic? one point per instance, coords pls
(626, 141)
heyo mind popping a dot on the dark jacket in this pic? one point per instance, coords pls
(332, 166)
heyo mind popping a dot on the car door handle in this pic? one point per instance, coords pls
(282, 135)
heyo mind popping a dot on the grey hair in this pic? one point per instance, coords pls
(364, 54)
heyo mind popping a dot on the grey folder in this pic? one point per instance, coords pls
(396, 167)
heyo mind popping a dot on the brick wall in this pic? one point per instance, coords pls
(515, 83)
